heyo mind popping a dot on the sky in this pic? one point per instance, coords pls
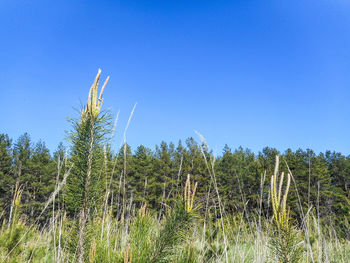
(242, 73)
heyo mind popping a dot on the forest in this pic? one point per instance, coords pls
(156, 176)
(174, 203)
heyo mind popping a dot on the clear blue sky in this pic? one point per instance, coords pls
(250, 73)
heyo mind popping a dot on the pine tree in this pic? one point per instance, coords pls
(162, 175)
(22, 153)
(85, 185)
(339, 170)
(238, 178)
(7, 181)
(194, 164)
(142, 176)
(42, 171)
(124, 177)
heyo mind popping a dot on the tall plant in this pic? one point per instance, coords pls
(177, 226)
(285, 240)
(85, 184)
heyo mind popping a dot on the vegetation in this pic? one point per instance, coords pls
(173, 204)
(284, 240)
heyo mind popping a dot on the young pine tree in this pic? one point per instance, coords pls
(85, 185)
(285, 238)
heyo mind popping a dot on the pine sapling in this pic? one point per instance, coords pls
(285, 241)
(85, 185)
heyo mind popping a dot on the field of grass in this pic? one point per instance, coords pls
(180, 236)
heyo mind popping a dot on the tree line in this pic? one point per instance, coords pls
(156, 177)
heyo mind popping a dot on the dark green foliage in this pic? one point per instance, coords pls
(41, 178)
(286, 244)
(86, 184)
(213, 248)
(157, 177)
(7, 180)
(10, 238)
(83, 133)
(22, 153)
(142, 178)
(194, 165)
(177, 226)
(29, 167)
(141, 236)
(239, 178)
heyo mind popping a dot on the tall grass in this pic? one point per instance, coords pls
(178, 237)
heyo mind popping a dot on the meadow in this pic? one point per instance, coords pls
(92, 205)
